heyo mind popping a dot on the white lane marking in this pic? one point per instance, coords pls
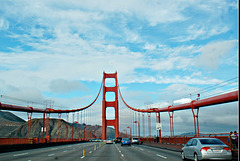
(82, 157)
(54, 148)
(138, 148)
(50, 155)
(119, 150)
(65, 151)
(161, 156)
(20, 154)
(90, 152)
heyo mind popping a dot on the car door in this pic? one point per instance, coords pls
(187, 148)
(192, 148)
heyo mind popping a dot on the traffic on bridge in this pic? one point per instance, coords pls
(93, 152)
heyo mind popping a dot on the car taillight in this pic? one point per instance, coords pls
(227, 149)
(205, 148)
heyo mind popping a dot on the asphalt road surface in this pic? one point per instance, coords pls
(93, 152)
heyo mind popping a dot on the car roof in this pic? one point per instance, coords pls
(206, 138)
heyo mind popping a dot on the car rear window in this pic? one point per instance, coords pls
(135, 138)
(211, 141)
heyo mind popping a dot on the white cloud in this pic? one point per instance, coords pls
(213, 54)
(4, 24)
(226, 115)
(66, 86)
(78, 14)
(37, 69)
(171, 63)
(149, 46)
(182, 101)
(196, 74)
(25, 97)
(180, 90)
(201, 32)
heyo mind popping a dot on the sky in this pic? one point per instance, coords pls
(164, 52)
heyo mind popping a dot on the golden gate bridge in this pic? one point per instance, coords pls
(194, 106)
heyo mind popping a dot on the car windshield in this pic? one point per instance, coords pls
(211, 141)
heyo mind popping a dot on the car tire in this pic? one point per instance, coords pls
(183, 156)
(195, 157)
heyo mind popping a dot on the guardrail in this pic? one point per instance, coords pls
(17, 141)
(183, 139)
(179, 139)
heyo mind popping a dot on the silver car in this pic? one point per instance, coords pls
(135, 141)
(206, 148)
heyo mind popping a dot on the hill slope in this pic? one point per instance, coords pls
(37, 124)
(9, 117)
(9, 122)
(13, 126)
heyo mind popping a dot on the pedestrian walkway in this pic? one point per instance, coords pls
(174, 147)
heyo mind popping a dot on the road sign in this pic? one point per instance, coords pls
(44, 129)
(159, 126)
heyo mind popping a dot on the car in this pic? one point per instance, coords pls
(125, 141)
(135, 141)
(206, 148)
(118, 140)
(109, 141)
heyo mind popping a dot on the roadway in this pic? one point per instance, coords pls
(93, 152)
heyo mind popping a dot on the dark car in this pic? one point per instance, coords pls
(118, 140)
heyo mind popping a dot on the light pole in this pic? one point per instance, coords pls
(91, 133)
(126, 132)
(138, 129)
(130, 132)
(84, 133)
(77, 130)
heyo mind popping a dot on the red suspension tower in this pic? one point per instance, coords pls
(106, 104)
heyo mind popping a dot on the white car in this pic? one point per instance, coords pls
(135, 141)
(109, 141)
